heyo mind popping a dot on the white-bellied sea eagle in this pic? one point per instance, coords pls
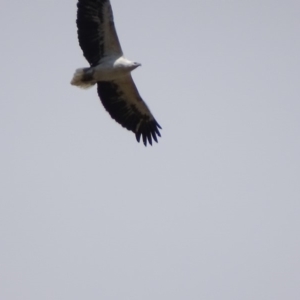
(110, 70)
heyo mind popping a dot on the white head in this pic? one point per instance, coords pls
(126, 64)
(134, 65)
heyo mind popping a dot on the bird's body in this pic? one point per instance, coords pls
(110, 70)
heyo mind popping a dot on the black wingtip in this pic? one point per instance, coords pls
(138, 136)
(148, 132)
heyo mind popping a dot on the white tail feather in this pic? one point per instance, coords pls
(80, 81)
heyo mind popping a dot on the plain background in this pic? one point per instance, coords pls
(210, 212)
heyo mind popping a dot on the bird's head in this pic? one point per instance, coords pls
(135, 65)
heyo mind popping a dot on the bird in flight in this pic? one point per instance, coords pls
(110, 70)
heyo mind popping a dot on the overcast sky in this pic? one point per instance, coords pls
(211, 212)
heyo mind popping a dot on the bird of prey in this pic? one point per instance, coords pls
(110, 70)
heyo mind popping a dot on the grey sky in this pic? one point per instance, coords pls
(210, 212)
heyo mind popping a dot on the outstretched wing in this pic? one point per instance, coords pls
(123, 102)
(96, 30)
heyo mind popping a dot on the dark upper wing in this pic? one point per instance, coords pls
(123, 102)
(96, 30)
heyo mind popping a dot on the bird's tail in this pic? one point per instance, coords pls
(83, 78)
